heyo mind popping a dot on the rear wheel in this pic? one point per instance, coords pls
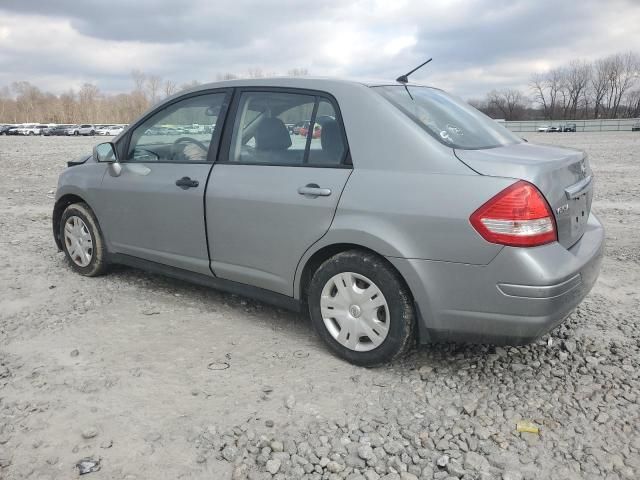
(361, 308)
(82, 240)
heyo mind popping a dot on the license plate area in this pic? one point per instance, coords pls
(579, 214)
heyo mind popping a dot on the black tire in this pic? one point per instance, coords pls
(76, 133)
(98, 264)
(401, 320)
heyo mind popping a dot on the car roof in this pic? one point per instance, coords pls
(311, 83)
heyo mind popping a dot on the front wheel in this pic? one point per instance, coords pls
(82, 240)
(361, 308)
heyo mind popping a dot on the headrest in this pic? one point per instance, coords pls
(272, 134)
(331, 139)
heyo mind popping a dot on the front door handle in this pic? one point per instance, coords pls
(186, 182)
(313, 190)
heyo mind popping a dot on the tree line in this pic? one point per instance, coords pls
(23, 102)
(608, 87)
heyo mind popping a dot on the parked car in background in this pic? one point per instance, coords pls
(58, 130)
(298, 126)
(432, 222)
(84, 129)
(4, 129)
(32, 129)
(48, 129)
(635, 127)
(317, 131)
(157, 131)
(87, 129)
(544, 128)
(110, 130)
(569, 127)
(554, 129)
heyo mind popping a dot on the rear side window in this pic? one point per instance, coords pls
(447, 119)
(277, 128)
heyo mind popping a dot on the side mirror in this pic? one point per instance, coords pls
(105, 152)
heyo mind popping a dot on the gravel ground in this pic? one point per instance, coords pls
(137, 376)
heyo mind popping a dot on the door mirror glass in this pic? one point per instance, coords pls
(105, 152)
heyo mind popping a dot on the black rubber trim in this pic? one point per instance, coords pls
(276, 299)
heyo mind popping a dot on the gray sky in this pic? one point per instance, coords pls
(477, 45)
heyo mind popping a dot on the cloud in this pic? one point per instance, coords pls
(477, 45)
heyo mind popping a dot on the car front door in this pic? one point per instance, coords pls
(154, 207)
(273, 193)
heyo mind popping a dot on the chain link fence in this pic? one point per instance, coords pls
(605, 125)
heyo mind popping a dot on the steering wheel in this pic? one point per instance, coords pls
(184, 140)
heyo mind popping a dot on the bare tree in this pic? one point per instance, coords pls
(538, 85)
(226, 76)
(577, 75)
(153, 84)
(255, 72)
(5, 97)
(509, 103)
(298, 72)
(188, 85)
(87, 100)
(632, 102)
(623, 74)
(598, 84)
(139, 80)
(170, 87)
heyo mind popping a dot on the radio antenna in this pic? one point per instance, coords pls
(405, 78)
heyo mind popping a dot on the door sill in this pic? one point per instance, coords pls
(256, 293)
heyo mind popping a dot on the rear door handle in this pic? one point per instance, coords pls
(186, 182)
(314, 190)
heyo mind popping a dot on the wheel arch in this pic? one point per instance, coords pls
(61, 204)
(314, 258)
(322, 254)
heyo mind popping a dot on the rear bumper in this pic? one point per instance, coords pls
(519, 296)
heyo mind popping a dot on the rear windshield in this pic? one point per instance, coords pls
(448, 119)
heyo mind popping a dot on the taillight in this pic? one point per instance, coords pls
(518, 216)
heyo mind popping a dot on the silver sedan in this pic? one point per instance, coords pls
(396, 213)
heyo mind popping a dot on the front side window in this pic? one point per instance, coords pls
(448, 119)
(181, 132)
(275, 128)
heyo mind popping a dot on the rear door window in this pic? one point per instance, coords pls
(279, 128)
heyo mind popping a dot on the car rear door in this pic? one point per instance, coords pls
(154, 208)
(273, 193)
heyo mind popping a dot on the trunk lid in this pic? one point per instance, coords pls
(561, 174)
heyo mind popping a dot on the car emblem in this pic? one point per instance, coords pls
(564, 208)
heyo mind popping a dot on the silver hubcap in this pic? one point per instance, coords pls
(78, 241)
(355, 311)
